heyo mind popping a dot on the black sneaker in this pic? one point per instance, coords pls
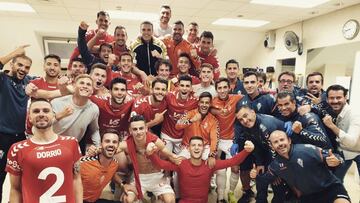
(246, 197)
(221, 201)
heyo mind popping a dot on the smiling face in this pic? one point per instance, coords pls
(222, 90)
(165, 15)
(105, 51)
(120, 36)
(103, 22)
(20, 67)
(280, 143)
(178, 32)
(163, 71)
(204, 105)
(146, 31)
(206, 44)
(126, 64)
(41, 114)
(52, 67)
(206, 75)
(138, 130)
(336, 100)
(109, 144)
(196, 148)
(183, 65)
(286, 106)
(84, 87)
(232, 71)
(185, 89)
(159, 91)
(286, 83)
(77, 68)
(246, 117)
(118, 93)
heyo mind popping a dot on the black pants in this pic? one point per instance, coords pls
(6, 140)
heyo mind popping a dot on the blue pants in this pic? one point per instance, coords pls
(340, 172)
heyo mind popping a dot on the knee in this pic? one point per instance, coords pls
(168, 198)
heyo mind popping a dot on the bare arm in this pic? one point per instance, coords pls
(17, 52)
(15, 190)
(78, 188)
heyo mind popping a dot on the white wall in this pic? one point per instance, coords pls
(321, 31)
(26, 30)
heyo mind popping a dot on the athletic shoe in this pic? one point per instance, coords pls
(246, 197)
(231, 197)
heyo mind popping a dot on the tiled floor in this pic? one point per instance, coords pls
(352, 185)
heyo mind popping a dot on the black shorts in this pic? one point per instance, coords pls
(329, 195)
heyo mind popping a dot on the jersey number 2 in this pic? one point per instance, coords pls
(48, 197)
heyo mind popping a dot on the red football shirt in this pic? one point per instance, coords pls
(111, 117)
(46, 170)
(131, 80)
(143, 106)
(176, 110)
(211, 60)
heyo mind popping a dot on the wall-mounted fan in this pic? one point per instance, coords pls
(291, 41)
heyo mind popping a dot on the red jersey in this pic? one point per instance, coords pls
(132, 81)
(106, 38)
(46, 170)
(194, 180)
(204, 58)
(194, 80)
(227, 117)
(143, 106)
(176, 110)
(111, 117)
(40, 83)
(95, 177)
(174, 50)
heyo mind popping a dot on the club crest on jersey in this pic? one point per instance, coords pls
(258, 106)
(300, 162)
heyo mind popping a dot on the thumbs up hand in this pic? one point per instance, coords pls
(253, 172)
(332, 160)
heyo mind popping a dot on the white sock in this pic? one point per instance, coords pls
(221, 183)
(234, 179)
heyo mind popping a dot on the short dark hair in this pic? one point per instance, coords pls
(261, 75)
(196, 138)
(165, 6)
(165, 62)
(125, 54)
(119, 27)
(184, 54)
(99, 66)
(336, 88)
(23, 57)
(147, 23)
(102, 13)
(116, 81)
(222, 79)
(207, 34)
(315, 74)
(249, 73)
(106, 45)
(112, 131)
(136, 118)
(53, 56)
(205, 94)
(179, 22)
(243, 106)
(292, 74)
(194, 24)
(185, 78)
(34, 100)
(231, 61)
(284, 94)
(78, 60)
(159, 80)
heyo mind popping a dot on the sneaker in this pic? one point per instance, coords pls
(221, 201)
(231, 197)
(246, 197)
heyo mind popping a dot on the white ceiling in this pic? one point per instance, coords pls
(204, 12)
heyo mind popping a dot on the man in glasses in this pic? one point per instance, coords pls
(286, 83)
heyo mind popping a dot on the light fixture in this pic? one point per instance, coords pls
(20, 7)
(288, 3)
(128, 15)
(240, 22)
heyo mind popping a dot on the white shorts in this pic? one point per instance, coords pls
(186, 153)
(156, 183)
(225, 145)
(172, 144)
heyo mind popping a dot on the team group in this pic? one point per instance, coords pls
(157, 117)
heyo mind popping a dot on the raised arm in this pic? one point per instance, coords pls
(17, 52)
(81, 42)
